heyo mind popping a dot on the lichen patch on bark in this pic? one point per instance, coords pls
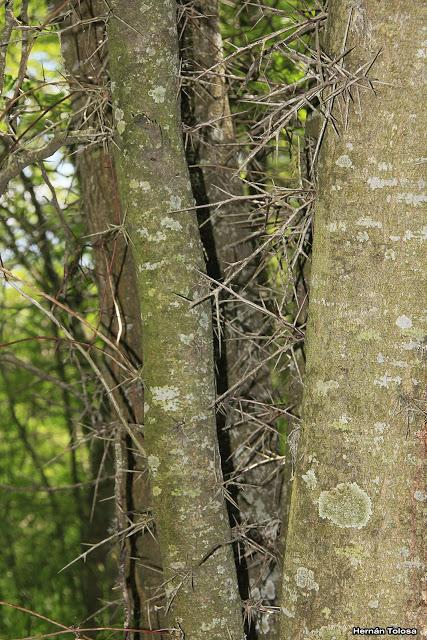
(347, 505)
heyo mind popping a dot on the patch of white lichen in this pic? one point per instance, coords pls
(347, 506)
(304, 579)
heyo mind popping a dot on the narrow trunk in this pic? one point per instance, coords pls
(84, 51)
(139, 557)
(355, 552)
(180, 430)
(228, 239)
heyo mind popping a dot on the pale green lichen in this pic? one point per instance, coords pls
(175, 203)
(362, 236)
(342, 424)
(158, 236)
(120, 126)
(166, 397)
(412, 198)
(380, 427)
(344, 161)
(216, 623)
(310, 479)
(169, 223)
(150, 266)
(304, 579)
(356, 554)
(368, 334)
(204, 320)
(324, 386)
(367, 221)
(347, 505)
(158, 94)
(153, 463)
(379, 183)
(385, 380)
(404, 322)
(193, 493)
(336, 226)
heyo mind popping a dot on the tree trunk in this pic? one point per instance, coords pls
(84, 52)
(229, 239)
(180, 431)
(355, 551)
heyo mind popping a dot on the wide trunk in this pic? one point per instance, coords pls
(355, 553)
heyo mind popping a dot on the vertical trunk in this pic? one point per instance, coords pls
(228, 239)
(84, 51)
(140, 561)
(356, 550)
(180, 431)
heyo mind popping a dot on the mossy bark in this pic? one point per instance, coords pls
(355, 552)
(84, 51)
(180, 430)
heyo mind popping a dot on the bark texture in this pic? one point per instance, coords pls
(355, 552)
(229, 239)
(180, 430)
(85, 56)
